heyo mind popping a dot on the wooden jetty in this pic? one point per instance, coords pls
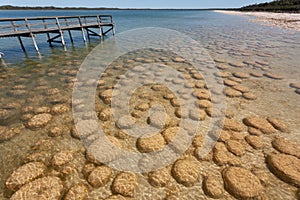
(30, 27)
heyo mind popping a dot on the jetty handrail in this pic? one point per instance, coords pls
(47, 23)
(52, 17)
(93, 25)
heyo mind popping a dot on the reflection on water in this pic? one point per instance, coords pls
(257, 65)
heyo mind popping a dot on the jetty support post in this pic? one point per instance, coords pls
(21, 43)
(82, 29)
(100, 27)
(60, 32)
(88, 33)
(48, 34)
(113, 26)
(32, 36)
(69, 31)
(87, 30)
(19, 37)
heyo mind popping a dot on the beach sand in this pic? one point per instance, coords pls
(289, 21)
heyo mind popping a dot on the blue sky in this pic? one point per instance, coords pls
(135, 3)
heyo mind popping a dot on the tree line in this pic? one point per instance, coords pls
(275, 6)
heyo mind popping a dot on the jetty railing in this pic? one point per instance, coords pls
(29, 27)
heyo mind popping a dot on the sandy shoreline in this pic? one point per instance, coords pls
(289, 21)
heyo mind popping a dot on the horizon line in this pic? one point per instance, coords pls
(110, 8)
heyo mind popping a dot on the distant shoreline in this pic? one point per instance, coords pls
(9, 7)
(289, 21)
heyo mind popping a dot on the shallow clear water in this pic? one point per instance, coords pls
(204, 26)
(31, 85)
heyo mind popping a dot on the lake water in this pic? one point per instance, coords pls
(258, 64)
(204, 26)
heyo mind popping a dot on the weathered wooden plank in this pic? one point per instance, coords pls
(32, 36)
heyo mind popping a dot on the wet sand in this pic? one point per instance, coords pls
(283, 20)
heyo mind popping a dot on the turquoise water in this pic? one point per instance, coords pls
(204, 26)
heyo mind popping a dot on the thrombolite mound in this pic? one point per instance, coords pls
(198, 141)
(220, 60)
(106, 96)
(12, 106)
(6, 115)
(125, 184)
(236, 79)
(295, 85)
(235, 147)
(241, 88)
(254, 131)
(60, 108)
(224, 136)
(77, 192)
(202, 94)
(256, 74)
(39, 156)
(47, 188)
(186, 171)
(273, 76)
(142, 106)
(222, 66)
(237, 64)
(232, 93)
(170, 133)
(222, 156)
(230, 83)
(255, 141)
(241, 182)
(52, 91)
(241, 75)
(197, 114)
(223, 74)
(232, 125)
(105, 114)
(7, 133)
(62, 158)
(100, 176)
(58, 131)
(159, 178)
(278, 124)
(125, 122)
(213, 186)
(39, 120)
(249, 96)
(151, 144)
(203, 103)
(25, 174)
(285, 167)
(159, 119)
(16, 93)
(285, 146)
(259, 123)
(41, 110)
